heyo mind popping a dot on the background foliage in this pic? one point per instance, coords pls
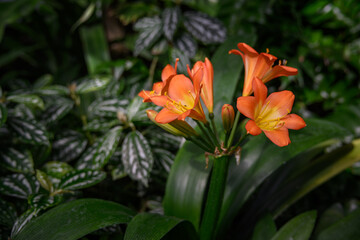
(71, 126)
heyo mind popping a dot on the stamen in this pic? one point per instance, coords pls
(267, 50)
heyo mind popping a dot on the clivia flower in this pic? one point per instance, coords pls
(228, 116)
(271, 114)
(207, 93)
(261, 66)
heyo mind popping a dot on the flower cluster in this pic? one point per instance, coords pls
(181, 96)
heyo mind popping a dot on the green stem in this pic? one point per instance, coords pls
(211, 116)
(227, 134)
(214, 198)
(152, 70)
(206, 135)
(233, 130)
(201, 144)
(213, 136)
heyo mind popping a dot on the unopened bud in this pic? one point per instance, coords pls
(176, 127)
(227, 115)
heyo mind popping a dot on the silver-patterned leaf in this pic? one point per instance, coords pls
(100, 125)
(137, 157)
(44, 180)
(57, 110)
(53, 90)
(23, 220)
(7, 213)
(43, 81)
(165, 158)
(68, 146)
(134, 107)
(183, 59)
(81, 179)
(148, 35)
(44, 201)
(162, 139)
(27, 99)
(118, 172)
(204, 28)
(3, 114)
(170, 17)
(19, 185)
(92, 84)
(22, 111)
(57, 169)
(17, 161)
(107, 108)
(187, 45)
(85, 161)
(29, 130)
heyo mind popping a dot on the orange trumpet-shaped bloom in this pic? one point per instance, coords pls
(270, 114)
(181, 100)
(261, 66)
(207, 92)
(228, 116)
(160, 87)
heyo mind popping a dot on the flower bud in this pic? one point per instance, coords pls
(227, 115)
(176, 127)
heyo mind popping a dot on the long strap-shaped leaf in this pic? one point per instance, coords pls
(75, 219)
(151, 226)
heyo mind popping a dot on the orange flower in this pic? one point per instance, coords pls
(207, 93)
(160, 87)
(261, 66)
(181, 100)
(228, 116)
(270, 114)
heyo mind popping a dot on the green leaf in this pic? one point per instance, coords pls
(164, 157)
(75, 219)
(170, 17)
(204, 28)
(17, 161)
(68, 146)
(187, 45)
(137, 157)
(57, 169)
(298, 228)
(118, 172)
(27, 99)
(150, 31)
(43, 81)
(96, 50)
(7, 214)
(85, 161)
(346, 228)
(107, 108)
(57, 110)
(183, 59)
(29, 131)
(100, 125)
(264, 229)
(44, 180)
(84, 17)
(80, 179)
(182, 199)
(19, 185)
(92, 84)
(53, 90)
(133, 108)
(151, 226)
(44, 201)
(21, 221)
(3, 114)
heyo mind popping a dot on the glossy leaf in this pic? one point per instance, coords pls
(186, 44)
(29, 131)
(43, 81)
(84, 17)
(44, 201)
(92, 84)
(27, 99)
(133, 108)
(346, 228)
(44, 180)
(57, 169)
(165, 158)
(264, 229)
(155, 227)
(170, 17)
(7, 213)
(204, 28)
(137, 157)
(17, 161)
(19, 185)
(107, 108)
(85, 161)
(150, 31)
(3, 114)
(68, 146)
(118, 172)
(53, 90)
(57, 110)
(183, 59)
(100, 125)
(24, 218)
(182, 199)
(75, 219)
(96, 50)
(81, 179)
(298, 228)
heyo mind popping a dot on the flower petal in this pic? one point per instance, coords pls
(252, 128)
(181, 90)
(279, 71)
(166, 116)
(260, 90)
(247, 50)
(160, 100)
(293, 121)
(282, 102)
(279, 136)
(246, 105)
(145, 95)
(167, 72)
